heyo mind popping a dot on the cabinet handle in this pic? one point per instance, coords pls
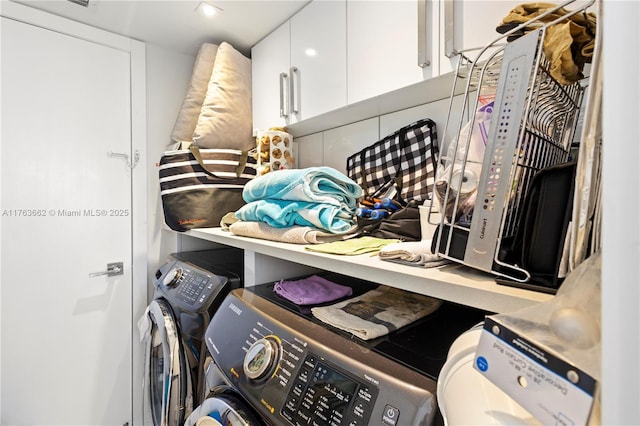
(292, 92)
(424, 50)
(283, 110)
(449, 35)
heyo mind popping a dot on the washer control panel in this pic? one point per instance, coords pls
(323, 394)
(294, 371)
(188, 286)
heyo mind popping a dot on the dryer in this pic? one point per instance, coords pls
(188, 289)
(291, 369)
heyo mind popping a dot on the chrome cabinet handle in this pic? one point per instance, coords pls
(449, 35)
(113, 269)
(292, 92)
(283, 109)
(424, 49)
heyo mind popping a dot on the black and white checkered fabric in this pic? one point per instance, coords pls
(409, 154)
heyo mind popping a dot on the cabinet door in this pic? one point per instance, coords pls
(382, 49)
(471, 24)
(270, 79)
(468, 26)
(319, 59)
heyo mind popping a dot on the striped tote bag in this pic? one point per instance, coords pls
(199, 186)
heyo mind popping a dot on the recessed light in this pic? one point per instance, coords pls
(311, 52)
(208, 10)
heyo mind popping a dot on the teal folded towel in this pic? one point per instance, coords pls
(283, 213)
(313, 184)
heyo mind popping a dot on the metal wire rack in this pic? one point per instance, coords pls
(487, 170)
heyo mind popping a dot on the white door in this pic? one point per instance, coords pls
(66, 212)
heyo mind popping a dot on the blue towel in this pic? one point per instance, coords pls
(283, 213)
(313, 184)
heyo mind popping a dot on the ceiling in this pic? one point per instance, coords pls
(174, 24)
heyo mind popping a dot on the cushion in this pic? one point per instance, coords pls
(226, 118)
(188, 115)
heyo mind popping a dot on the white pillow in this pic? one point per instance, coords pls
(226, 118)
(192, 105)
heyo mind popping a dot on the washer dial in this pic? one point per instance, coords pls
(173, 277)
(261, 359)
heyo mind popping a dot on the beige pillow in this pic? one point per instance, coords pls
(226, 118)
(188, 115)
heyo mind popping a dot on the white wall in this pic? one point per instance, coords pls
(332, 147)
(621, 232)
(168, 76)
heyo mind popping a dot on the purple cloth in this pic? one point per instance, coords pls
(311, 290)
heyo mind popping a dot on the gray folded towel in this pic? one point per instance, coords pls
(413, 253)
(377, 312)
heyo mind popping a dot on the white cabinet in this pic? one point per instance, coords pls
(390, 45)
(270, 84)
(468, 26)
(318, 59)
(338, 62)
(299, 69)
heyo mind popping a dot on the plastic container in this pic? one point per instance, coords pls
(466, 397)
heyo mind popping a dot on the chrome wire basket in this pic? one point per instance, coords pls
(516, 119)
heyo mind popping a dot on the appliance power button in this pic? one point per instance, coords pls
(390, 415)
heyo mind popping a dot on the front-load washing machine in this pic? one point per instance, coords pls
(292, 369)
(188, 289)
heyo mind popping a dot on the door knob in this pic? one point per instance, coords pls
(113, 269)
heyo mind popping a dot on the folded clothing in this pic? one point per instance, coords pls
(568, 45)
(283, 213)
(412, 253)
(353, 246)
(313, 184)
(377, 312)
(295, 234)
(311, 291)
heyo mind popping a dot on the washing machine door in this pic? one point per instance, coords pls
(227, 407)
(168, 395)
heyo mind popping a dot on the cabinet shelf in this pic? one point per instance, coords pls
(455, 283)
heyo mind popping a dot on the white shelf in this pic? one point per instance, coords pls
(455, 283)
